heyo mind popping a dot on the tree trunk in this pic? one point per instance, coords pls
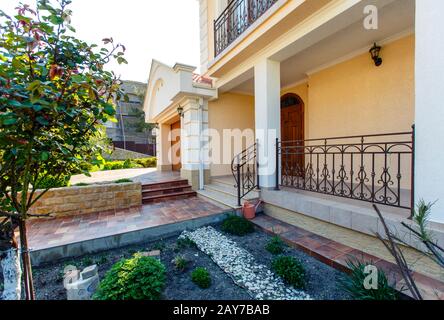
(27, 269)
(11, 275)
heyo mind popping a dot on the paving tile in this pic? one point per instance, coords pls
(58, 231)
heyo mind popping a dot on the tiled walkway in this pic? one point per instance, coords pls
(145, 176)
(49, 233)
(336, 254)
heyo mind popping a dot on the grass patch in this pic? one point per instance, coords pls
(290, 270)
(275, 245)
(201, 277)
(123, 181)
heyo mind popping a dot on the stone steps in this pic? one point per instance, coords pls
(168, 190)
(223, 191)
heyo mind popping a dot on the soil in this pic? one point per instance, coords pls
(322, 280)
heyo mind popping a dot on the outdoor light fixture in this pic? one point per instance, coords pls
(180, 111)
(374, 51)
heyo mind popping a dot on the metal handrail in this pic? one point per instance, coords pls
(245, 170)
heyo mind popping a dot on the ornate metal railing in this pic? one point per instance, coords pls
(235, 19)
(245, 170)
(374, 168)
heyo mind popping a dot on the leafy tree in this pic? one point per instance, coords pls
(54, 96)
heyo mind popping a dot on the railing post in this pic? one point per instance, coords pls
(258, 183)
(412, 191)
(277, 165)
(239, 185)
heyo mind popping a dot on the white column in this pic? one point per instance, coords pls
(429, 118)
(194, 131)
(267, 91)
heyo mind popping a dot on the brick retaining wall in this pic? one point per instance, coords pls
(71, 201)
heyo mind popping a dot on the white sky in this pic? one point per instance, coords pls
(166, 30)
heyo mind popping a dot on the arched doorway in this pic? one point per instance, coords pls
(292, 132)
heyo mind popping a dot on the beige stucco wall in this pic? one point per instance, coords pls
(230, 111)
(355, 97)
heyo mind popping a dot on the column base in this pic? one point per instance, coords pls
(193, 177)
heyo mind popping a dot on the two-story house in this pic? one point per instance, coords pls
(318, 107)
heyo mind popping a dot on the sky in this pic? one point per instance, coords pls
(165, 30)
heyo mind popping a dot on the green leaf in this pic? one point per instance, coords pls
(44, 156)
(109, 109)
(9, 121)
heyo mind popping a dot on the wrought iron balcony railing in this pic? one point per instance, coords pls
(372, 168)
(235, 19)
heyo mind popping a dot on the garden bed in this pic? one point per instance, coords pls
(322, 280)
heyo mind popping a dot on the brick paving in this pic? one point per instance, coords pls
(336, 254)
(47, 233)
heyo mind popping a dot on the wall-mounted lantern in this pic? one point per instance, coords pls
(375, 51)
(180, 111)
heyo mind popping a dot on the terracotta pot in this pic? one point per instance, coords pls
(249, 211)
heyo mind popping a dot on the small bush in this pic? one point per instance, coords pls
(201, 277)
(130, 164)
(146, 162)
(275, 246)
(123, 181)
(290, 270)
(138, 278)
(180, 263)
(237, 226)
(354, 284)
(53, 182)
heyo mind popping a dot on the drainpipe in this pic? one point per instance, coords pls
(201, 158)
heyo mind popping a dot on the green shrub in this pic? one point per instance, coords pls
(237, 225)
(150, 162)
(201, 277)
(290, 270)
(180, 263)
(123, 181)
(275, 245)
(354, 284)
(138, 278)
(53, 182)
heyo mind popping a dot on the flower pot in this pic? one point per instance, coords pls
(249, 211)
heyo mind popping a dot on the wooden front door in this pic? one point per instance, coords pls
(175, 146)
(292, 129)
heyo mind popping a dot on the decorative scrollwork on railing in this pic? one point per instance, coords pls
(235, 19)
(374, 168)
(244, 167)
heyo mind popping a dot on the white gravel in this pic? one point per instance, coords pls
(240, 265)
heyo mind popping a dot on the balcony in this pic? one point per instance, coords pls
(237, 18)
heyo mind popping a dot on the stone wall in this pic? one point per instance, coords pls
(71, 201)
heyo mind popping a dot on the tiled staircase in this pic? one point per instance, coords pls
(223, 191)
(169, 190)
